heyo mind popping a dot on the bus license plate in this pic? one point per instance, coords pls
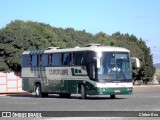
(117, 91)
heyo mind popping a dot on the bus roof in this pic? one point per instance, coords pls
(76, 49)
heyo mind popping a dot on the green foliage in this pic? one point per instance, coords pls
(140, 50)
(19, 36)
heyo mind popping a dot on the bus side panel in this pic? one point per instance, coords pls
(45, 87)
(28, 84)
(57, 86)
(108, 91)
(90, 89)
(25, 84)
(73, 86)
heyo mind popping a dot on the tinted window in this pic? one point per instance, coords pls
(66, 59)
(56, 59)
(79, 58)
(40, 60)
(25, 60)
(34, 60)
(50, 59)
(115, 66)
(45, 60)
(90, 56)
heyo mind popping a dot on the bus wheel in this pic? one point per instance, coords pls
(83, 92)
(112, 96)
(38, 90)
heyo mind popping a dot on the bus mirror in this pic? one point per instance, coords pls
(137, 62)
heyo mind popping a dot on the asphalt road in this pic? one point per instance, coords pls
(142, 99)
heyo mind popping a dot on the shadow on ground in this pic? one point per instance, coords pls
(29, 95)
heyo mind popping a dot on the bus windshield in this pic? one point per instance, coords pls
(115, 66)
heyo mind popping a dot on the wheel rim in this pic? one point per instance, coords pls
(37, 91)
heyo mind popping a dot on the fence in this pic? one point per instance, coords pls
(10, 83)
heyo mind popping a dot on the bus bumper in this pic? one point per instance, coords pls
(111, 91)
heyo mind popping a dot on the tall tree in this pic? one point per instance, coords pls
(19, 36)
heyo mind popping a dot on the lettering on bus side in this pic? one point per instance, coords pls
(58, 72)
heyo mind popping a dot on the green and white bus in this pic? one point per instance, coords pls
(89, 70)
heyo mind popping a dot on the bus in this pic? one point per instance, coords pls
(89, 70)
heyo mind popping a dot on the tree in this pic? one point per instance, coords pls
(140, 50)
(19, 36)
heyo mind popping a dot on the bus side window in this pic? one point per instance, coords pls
(61, 60)
(80, 58)
(30, 63)
(45, 60)
(50, 59)
(40, 60)
(34, 60)
(56, 59)
(26, 60)
(66, 59)
(73, 58)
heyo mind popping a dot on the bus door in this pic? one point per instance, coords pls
(91, 65)
(91, 69)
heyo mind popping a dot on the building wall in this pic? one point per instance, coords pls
(10, 82)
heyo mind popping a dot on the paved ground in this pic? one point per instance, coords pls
(142, 99)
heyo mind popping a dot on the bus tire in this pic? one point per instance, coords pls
(38, 90)
(83, 92)
(112, 96)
